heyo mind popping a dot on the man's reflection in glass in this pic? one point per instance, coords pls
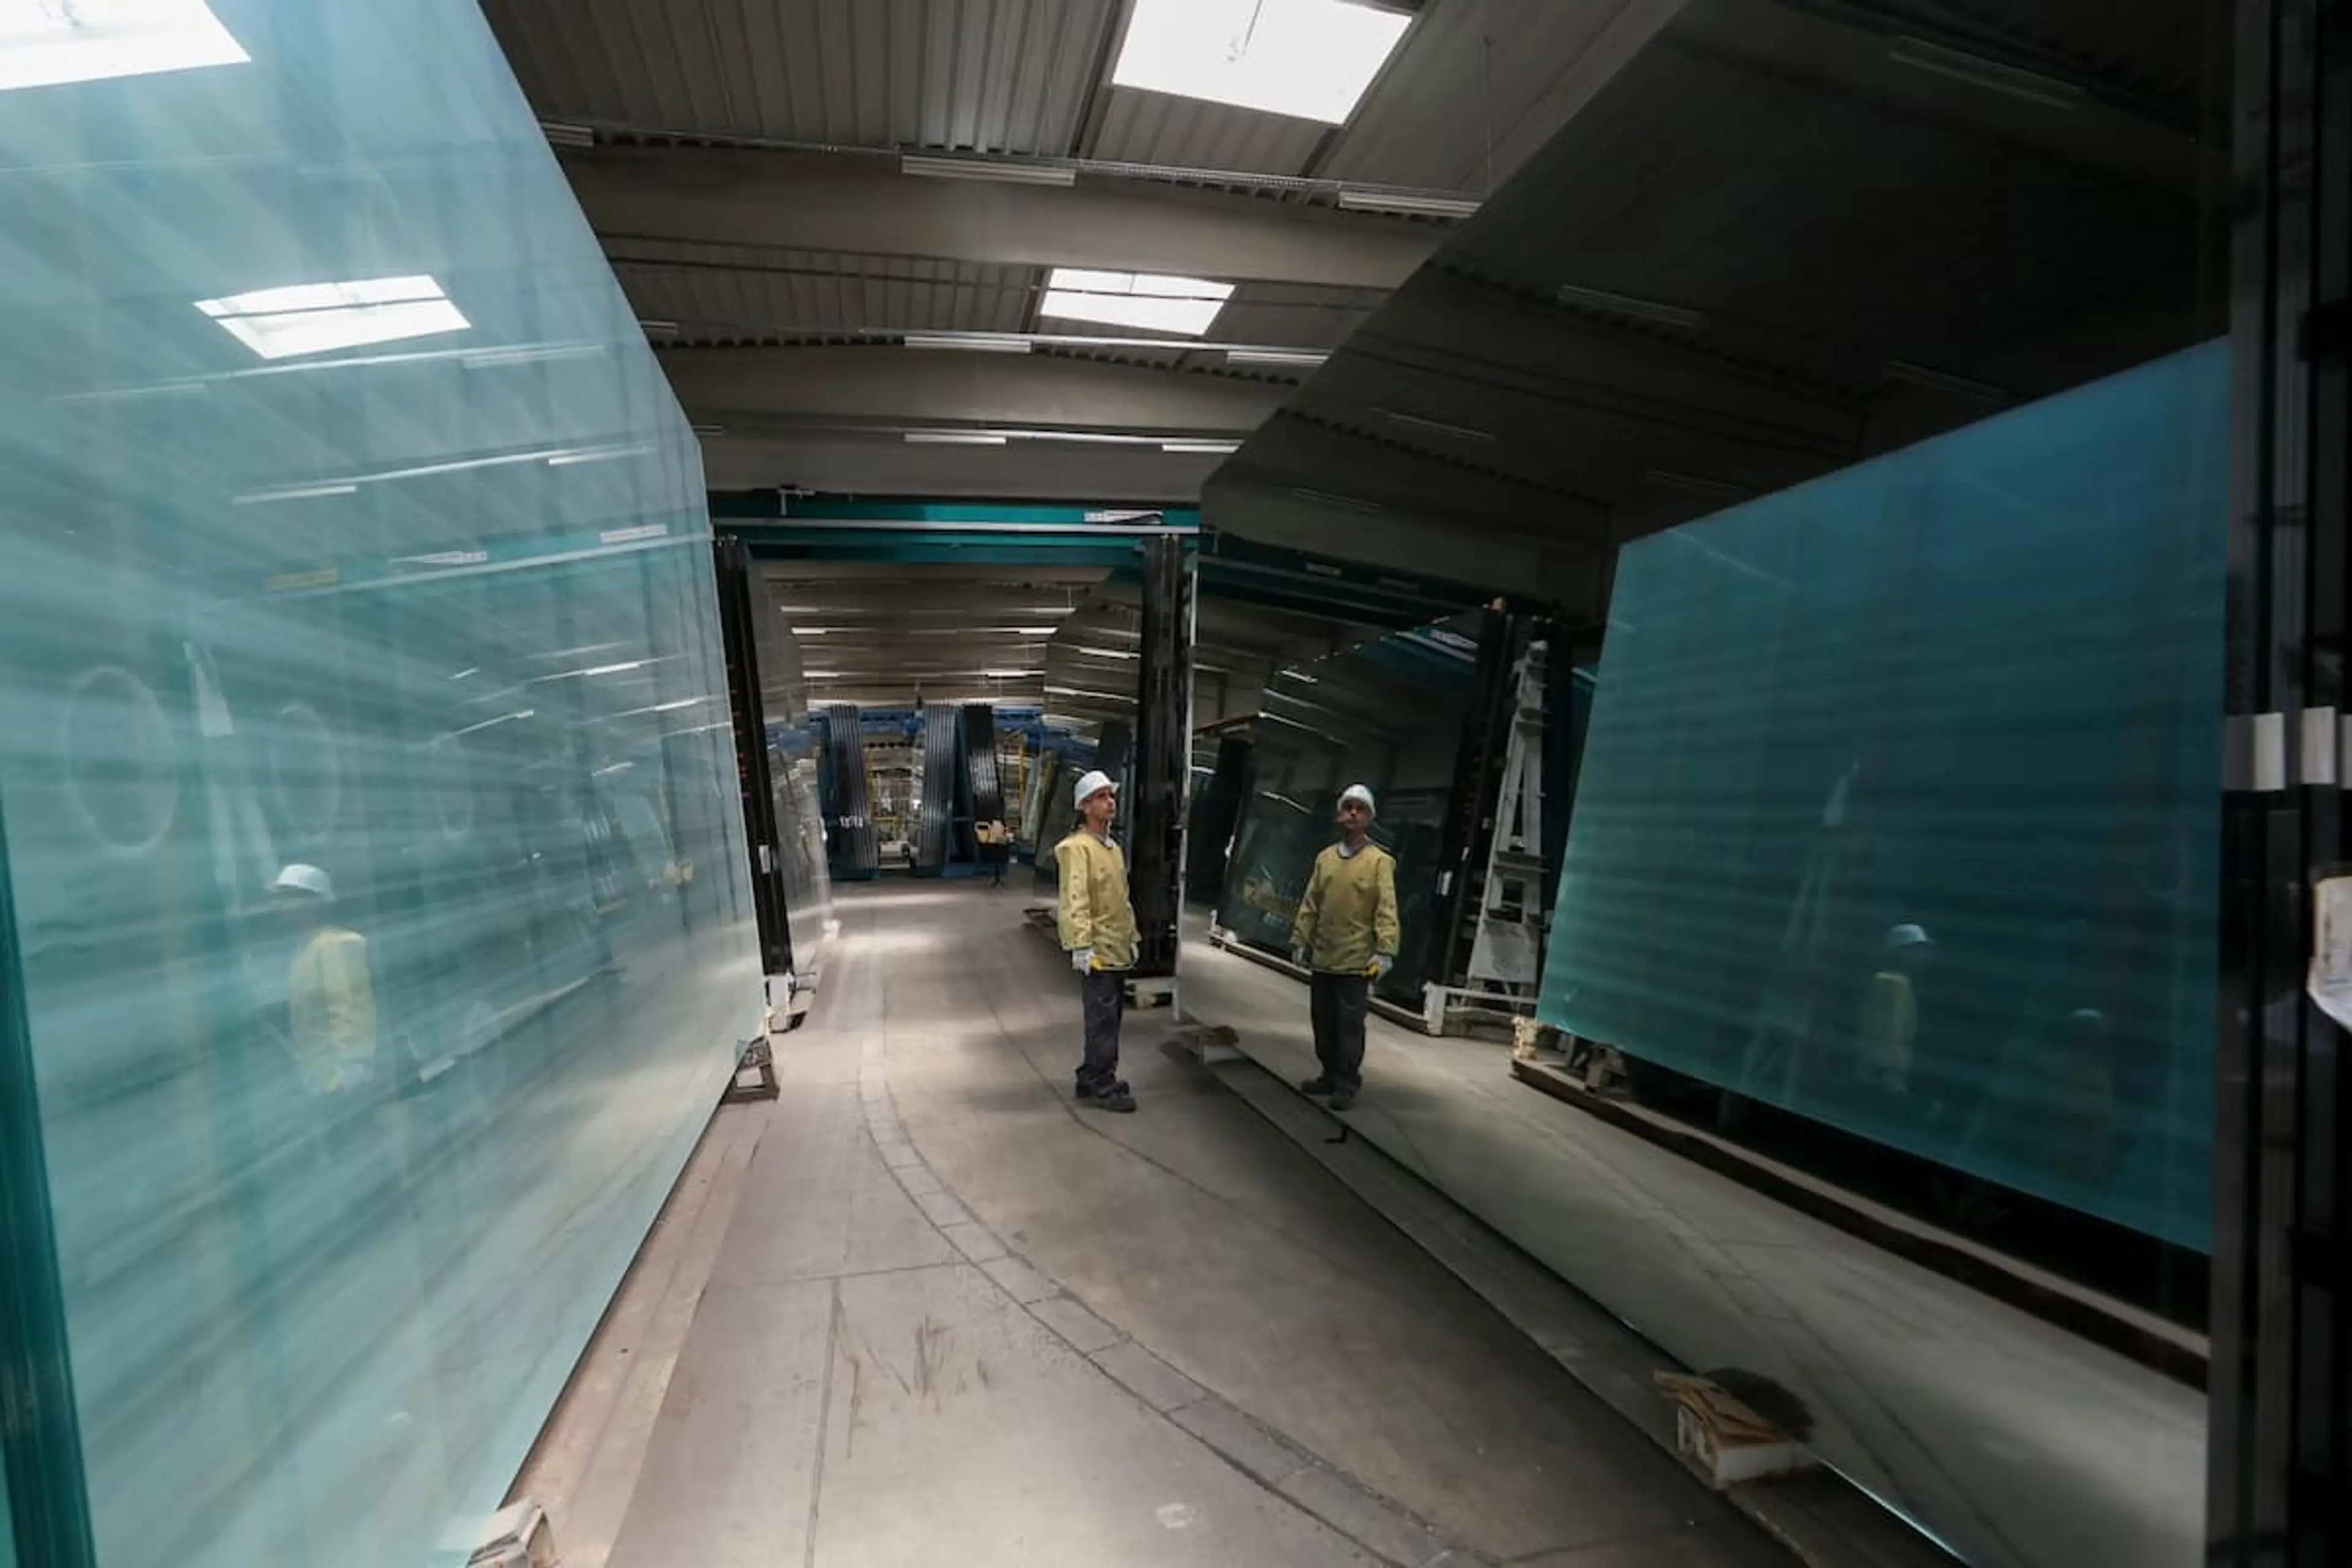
(1887, 1023)
(330, 996)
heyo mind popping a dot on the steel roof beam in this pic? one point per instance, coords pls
(841, 394)
(804, 202)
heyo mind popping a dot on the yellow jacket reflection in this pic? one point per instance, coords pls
(330, 996)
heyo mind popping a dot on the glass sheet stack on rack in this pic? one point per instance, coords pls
(794, 762)
(1387, 715)
(1899, 808)
(381, 930)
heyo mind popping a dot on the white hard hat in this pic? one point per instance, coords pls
(301, 878)
(1358, 792)
(1909, 936)
(1090, 781)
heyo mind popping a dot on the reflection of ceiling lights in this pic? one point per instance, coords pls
(1994, 76)
(313, 318)
(953, 438)
(1626, 305)
(1311, 60)
(45, 43)
(1153, 301)
(1202, 449)
(1440, 427)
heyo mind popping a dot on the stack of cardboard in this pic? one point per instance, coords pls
(1723, 1441)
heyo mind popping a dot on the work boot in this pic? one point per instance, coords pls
(1343, 1100)
(1320, 1085)
(1115, 1098)
(1118, 1086)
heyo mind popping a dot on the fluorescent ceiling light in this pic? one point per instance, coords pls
(1413, 204)
(1299, 359)
(809, 631)
(562, 135)
(994, 170)
(1626, 305)
(313, 318)
(1008, 674)
(953, 438)
(1154, 301)
(47, 43)
(1106, 652)
(970, 342)
(1310, 59)
(1204, 448)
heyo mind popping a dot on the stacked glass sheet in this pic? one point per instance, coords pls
(1899, 808)
(383, 931)
(1387, 715)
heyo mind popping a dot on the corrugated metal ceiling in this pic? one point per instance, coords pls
(715, 291)
(996, 75)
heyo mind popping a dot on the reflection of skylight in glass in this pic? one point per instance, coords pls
(312, 318)
(1309, 58)
(46, 42)
(1146, 300)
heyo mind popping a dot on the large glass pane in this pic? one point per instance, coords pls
(384, 918)
(1387, 715)
(1895, 862)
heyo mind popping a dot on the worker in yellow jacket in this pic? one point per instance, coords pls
(1098, 931)
(1346, 934)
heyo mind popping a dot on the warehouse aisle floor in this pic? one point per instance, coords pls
(922, 1311)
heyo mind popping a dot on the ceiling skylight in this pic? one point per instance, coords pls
(1150, 300)
(1311, 60)
(45, 43)
(313, 318)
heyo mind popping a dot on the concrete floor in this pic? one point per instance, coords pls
(922, 1310)
(2016, 1442)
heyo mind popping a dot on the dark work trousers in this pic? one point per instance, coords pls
(1105, 993)
(1338, 1002)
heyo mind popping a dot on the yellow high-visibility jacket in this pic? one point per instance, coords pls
(1348, 912)
(331, 1004)
(1096, 911)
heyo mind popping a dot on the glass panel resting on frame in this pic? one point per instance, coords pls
(386, 937)
(1898, 808)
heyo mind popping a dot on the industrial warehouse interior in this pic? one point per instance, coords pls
(1552, 783)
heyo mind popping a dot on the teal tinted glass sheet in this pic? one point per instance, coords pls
(1387, 715)
(1970, 692)
(369, 795)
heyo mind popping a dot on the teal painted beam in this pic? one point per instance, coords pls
(827, 509)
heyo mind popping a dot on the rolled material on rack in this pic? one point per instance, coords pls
(983, 779)
(941, 760)
(850, 846)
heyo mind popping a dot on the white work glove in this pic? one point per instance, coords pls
(1082, 959)
(1381, 965)
(1298, 956)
